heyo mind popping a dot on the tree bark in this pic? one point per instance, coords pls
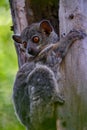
(73, 115)
(19, 23)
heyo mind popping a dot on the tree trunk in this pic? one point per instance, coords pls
(19, 23)
(72, 15)
(73, 115)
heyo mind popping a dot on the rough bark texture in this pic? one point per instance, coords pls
(73, 116)
(19, 23)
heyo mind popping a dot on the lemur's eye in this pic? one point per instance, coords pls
(35, 39)
(25, 44)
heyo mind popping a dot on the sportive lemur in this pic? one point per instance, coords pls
(36, 93)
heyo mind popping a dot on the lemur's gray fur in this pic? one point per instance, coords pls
(36, 93)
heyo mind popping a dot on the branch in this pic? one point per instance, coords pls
(19, 23)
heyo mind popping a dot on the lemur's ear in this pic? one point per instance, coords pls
(17, 38)
(46, 27)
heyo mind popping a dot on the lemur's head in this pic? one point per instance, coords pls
(36, 36)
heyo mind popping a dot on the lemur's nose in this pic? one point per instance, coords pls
(33, 51)
(30, 50)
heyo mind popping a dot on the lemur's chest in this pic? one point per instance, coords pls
(52, 61)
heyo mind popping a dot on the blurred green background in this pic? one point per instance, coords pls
(8, 69)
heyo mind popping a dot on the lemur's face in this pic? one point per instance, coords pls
(35, 37)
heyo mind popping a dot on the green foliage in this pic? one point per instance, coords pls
(4, 3)
(8, 69)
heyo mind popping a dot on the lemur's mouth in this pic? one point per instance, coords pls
(34, 51)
